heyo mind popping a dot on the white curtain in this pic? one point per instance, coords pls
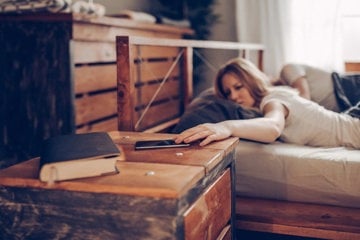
(297, 31)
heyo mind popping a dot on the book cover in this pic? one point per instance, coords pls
(74, 156)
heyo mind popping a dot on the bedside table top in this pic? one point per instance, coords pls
(166, 173)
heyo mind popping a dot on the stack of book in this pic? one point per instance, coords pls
(75, 156)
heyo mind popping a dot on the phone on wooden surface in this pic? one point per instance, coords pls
(156, 144)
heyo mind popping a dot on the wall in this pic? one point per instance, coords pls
(351, 33)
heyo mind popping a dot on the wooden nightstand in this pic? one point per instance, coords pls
(182, 193)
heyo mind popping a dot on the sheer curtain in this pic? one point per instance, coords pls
(297, 31)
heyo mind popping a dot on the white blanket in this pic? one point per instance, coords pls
(298, 173)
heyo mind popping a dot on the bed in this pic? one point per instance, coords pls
(280, 188)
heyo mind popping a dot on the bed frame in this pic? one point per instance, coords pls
(155, 79)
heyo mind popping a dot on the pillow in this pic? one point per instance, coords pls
(208, 108)
(347, 89)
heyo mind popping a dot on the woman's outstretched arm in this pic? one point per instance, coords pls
(264, 129)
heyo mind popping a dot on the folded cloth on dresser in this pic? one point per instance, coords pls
(347, 91)
(35, 6)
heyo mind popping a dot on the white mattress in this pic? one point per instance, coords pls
(298, 173)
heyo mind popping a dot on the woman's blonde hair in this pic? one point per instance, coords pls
(253, 79)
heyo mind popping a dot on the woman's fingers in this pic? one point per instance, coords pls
(201, 134)
(193, 134)
(208, 140)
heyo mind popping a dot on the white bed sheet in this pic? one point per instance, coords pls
(298, 173)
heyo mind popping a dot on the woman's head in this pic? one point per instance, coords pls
(241, 81)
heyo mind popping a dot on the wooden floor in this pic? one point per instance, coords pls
(249, 235)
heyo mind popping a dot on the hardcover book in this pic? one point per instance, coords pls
(75, 156)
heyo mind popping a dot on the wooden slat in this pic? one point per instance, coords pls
(105, 125)
(163, 127)
(296, 231)
(145, 93)
(158, 114)
(146, 52)
(90, 78)
(138, 40)
(126, 86)
(84, 31)
(93, 107)
(188, 76)
(157, 29)
(301, 219)
(157, 70)
(206, 44)
(90, 52)
(352, 67)
(110, 124)
(210, 214)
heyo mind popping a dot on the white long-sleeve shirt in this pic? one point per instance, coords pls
(308, 123)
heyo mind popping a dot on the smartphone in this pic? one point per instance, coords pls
(156, 144)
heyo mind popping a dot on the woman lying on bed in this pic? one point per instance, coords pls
(286, 115)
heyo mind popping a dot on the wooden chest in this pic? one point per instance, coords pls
(183, 193)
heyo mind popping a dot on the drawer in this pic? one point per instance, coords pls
(209, 216)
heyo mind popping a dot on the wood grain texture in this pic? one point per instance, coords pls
(352, 67)
(39, 214)
(166, 91)
(301, 219)
(92, 107)
(103, 125)
(208, 216)
(165, 180)
(209, 157)
(94, 78)
(89, 52)
(35, 87)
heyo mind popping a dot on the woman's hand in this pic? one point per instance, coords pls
(209, 132)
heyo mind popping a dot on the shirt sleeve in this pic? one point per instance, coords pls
(291, 72)
(277, 95)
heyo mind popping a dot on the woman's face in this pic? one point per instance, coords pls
(235, 91)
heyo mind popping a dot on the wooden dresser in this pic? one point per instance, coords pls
(182, 193)
(58, 74)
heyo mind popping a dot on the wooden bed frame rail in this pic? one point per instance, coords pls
(297, 219)
(155, 78)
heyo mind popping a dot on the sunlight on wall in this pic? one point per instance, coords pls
(351, 30)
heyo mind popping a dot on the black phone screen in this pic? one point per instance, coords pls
(155, 144)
